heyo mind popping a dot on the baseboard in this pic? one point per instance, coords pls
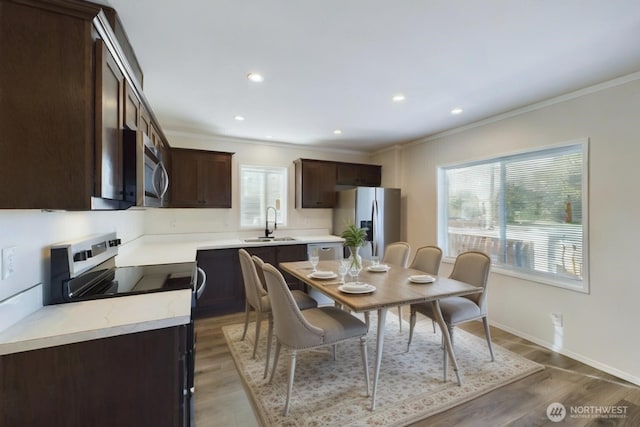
(580, 358)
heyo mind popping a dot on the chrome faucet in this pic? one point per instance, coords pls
(267, 232)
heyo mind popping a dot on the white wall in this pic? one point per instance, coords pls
(598, 327)
(32, 232)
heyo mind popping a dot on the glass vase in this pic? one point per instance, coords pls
(355, 263)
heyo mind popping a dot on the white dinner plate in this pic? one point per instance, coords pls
(422, 278)
(351, 288)
(323, 275)
(380, 268)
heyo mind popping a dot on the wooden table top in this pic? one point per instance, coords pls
(393, 287)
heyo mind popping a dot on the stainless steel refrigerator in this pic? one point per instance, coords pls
(374, 208)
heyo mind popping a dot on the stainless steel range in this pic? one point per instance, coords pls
(84, 269)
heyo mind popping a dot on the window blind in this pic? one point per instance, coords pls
(262, 187)
(524, 210)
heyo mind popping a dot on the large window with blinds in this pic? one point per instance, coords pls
(527, 211)
(262, 187)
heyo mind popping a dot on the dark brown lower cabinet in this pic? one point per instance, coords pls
(292, 253)
(128, 380)
(222, 294)
(225, 288)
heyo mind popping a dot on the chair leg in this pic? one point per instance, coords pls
(247, 309)
(400, 317)
(487, 333)
(412, 324)
(269, 339)
(292, 371)
(334, 349)
(444, 353)
(433, 323)
(365, 361)
(366, 319)
(276, 356)
(258, 322)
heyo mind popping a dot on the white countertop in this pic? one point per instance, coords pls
(169, 248)
(61, 324)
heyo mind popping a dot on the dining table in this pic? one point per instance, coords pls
(392, 287)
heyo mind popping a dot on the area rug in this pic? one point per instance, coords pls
(332, 393)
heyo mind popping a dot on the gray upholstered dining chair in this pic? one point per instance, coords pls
(396, 254)
(303, 330)
(258, 299)
(427, 259)
(470, 267)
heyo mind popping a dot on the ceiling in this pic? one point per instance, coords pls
(336, 64)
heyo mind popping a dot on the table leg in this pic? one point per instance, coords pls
(435, 305)
(382, 316)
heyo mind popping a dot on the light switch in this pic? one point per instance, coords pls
(8, 262)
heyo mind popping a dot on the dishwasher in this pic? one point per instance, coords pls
(326, 251)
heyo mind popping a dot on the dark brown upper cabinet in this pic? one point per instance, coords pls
(200, 179)
(46, 107)
(318, 180)
(144, 124)
(131, 108)
(358, 174)
(109, 120)
(67, 93)
(315, 183)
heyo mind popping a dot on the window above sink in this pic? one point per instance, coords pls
(262, 187)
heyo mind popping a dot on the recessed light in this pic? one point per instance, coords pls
(337, 132)
(397, 98)
(255, 77)
(268, 137)
(239, 118)
(456, 110)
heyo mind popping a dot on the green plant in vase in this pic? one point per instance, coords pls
(354, 238)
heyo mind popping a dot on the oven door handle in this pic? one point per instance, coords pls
(201, 285)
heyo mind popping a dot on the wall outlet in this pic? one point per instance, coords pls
(557, 320)
(8, 262)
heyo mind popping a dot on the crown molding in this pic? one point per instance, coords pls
(529, 108)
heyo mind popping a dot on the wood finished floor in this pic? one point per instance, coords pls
(221, 399)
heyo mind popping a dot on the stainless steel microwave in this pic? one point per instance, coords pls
(146, 179)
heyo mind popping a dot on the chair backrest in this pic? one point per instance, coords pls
(397, 253)
(427, 259)
(258, 262)
(473, 268)
(290, 326)
(252, 286)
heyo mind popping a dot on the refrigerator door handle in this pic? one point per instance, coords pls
(374, 226)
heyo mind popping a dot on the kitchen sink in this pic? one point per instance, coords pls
(269, 239)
